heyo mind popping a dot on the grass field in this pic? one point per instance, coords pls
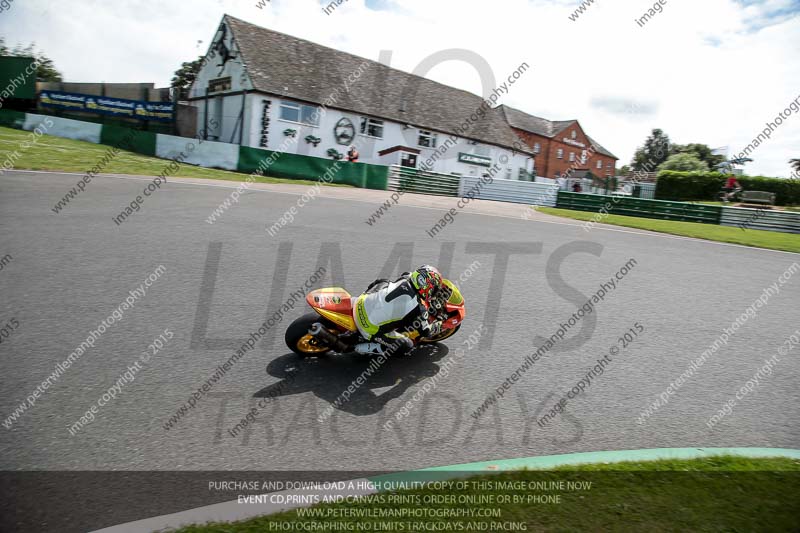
(748, 237)
(55, 153)
(722, 493)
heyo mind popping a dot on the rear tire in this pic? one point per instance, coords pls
(300, 341)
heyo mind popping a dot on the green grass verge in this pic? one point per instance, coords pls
(723, 493)
(749, 237)
(68, 155)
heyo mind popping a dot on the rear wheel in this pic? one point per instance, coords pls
(301, 342)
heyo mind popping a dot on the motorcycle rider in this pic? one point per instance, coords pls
(388, 310)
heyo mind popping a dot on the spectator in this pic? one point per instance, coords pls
(731, 189)
(576, 187)
(352, 154)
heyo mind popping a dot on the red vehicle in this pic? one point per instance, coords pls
(331, 327)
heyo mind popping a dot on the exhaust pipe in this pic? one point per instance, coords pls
(318, 331)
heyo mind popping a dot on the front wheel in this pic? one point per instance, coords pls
(301, 342)
(441, 336)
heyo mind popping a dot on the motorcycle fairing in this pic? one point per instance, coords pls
(455, 304)
(334, 304)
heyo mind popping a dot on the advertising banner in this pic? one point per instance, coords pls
(104, 105)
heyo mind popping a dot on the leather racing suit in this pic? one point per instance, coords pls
(390, 309)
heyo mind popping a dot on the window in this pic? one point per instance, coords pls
(572, 156)
(584, 156)
(219, 85)
(608, 165)
(599, 164)
(302, 114)
(574, 134)
(560, 153)
(408, 160)
(508, 173)
(372, 127)
(537, 148)
(427, 139)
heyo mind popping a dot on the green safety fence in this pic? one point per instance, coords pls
(12, 119)
(640, 207)
(141, 142)
(423, 182)
(293, 166)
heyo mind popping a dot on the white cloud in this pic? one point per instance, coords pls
(713, 71)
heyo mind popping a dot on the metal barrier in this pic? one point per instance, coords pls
(503, 190)
(638, 207)
(646, 191)
(422, 182)
(764, 219)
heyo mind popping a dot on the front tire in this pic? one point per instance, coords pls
(301, 342)
(441, 336)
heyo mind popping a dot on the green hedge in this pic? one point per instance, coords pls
(687, 186)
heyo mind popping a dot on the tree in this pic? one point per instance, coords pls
(702, 151)
(185, 76)
(685, 162)
(46, 71)
(795, 164)
(623, 171)
(654, 152)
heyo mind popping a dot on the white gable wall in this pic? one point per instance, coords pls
(220, 106)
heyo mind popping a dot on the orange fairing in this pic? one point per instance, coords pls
(455, 304)
(333, 303)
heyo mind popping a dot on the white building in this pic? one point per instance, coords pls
(265, 89)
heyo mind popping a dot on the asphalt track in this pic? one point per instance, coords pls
(71, 270)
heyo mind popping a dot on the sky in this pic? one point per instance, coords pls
(708, 71)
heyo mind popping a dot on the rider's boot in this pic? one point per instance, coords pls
(368, 348)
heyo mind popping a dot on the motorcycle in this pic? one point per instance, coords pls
(331, 328)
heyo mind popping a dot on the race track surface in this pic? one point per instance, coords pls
(70, 270)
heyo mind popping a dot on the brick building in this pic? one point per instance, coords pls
(560, 146)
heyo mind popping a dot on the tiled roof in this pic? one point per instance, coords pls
(546, 128)
(287, 66)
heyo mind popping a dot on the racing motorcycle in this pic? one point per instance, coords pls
(331, 327)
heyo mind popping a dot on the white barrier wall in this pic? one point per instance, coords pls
(763, 219)
(64, 127)
(195, 152)
(520, 192)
